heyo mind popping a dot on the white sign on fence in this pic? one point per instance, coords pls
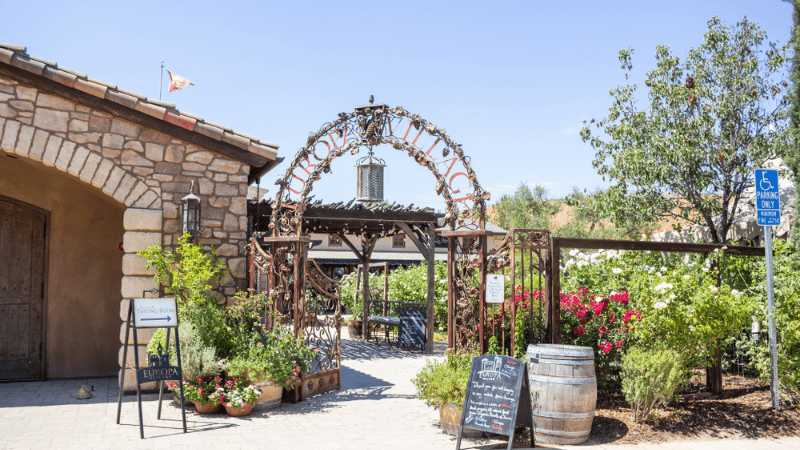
(155, 312)
(495, 288)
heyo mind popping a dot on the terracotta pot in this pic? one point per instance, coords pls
(450, 419)
(270, 395)
(206, 408)
(243, 411)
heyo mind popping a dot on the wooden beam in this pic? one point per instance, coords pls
(463, 233)
(677, 247)
(431, 291)
(132, 115)
(424, 249)
(358, 254)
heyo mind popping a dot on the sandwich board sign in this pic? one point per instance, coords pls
(498, 397)
(152, 313)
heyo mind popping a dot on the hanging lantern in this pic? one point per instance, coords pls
(190, 213)
(370, 179)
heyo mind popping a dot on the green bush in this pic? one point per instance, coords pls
(411, 284)
(786, 270)
(650, 378)
(441, 382)
(198, 361)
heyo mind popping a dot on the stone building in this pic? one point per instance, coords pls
(90, 174)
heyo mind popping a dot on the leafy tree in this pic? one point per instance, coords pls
(711, 120)
(793, 155)
(527, 208)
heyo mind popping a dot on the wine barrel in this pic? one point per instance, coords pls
(563, 392)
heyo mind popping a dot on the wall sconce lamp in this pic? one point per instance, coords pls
(190, 212)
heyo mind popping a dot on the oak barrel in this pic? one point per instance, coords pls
(563, 392)
(450, 419)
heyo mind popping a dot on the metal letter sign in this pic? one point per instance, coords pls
(495, 288)
(152, 313)
(156, 313)
(768, 198)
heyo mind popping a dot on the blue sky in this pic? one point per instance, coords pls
(510, 81)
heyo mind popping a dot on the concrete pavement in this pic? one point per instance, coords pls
(375, 408)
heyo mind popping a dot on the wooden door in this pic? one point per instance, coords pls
(22, 265)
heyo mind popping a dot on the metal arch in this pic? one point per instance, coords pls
(368, 126)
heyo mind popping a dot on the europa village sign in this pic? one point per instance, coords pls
(153, 313)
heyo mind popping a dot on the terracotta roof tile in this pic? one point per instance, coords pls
(17, 56)
(57, 75)
(90, 88)
(26, 63)
(122, 99)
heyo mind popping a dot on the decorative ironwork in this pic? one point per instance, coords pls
(466, 321)
(322, 320)
(373, 125)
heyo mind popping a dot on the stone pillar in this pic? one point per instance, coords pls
(142, 229)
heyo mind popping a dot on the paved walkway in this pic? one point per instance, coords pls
(375, 408)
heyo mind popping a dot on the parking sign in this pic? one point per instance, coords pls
(768, 199)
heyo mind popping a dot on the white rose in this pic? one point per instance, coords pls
(660, 305)
(616, 270)
(713, 288)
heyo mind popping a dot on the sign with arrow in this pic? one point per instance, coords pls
(155, 312)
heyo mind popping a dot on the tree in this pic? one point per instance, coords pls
(711, 120)
(793, 154)
(525, 209)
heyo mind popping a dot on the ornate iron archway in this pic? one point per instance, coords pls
(286, 243)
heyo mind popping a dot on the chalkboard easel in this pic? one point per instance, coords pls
(498, 397)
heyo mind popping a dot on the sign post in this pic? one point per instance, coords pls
(152, 313)
(768, 214)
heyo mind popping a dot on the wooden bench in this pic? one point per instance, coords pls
(407, 323)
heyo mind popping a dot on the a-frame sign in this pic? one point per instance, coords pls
(498, 397)
(152, 313)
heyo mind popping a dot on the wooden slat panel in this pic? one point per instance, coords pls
(4, 337)
(23, 325)
(5, 254)
(37, 292)
(21, 252)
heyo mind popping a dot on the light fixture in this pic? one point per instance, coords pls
(370, 178)
(190, 206)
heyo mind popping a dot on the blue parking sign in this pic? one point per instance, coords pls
(768, 198)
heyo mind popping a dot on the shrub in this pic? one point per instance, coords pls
(199, 361)
(650, 378)
(441, 382)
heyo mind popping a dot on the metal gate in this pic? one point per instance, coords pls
(312, 307)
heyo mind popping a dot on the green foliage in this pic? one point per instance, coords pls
(211, 328)
(445, 381)
(650, 378)
(710, 121)
(188, 272)
(411, 284)
(786, 268)
(525, 209)
(245, 318)
(792, 157)
(198, 361)
(279, 357)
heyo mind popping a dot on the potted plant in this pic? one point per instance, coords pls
(204, 394)
(238, 397)
(443, 385)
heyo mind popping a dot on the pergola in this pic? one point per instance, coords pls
(369, 222)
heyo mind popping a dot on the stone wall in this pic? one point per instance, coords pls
(144, 169)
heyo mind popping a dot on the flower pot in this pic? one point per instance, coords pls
(206, 408)
(354, 329)
(450, 419)
(270, 396)
(243, 411)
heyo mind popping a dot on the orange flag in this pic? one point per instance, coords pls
(177, 82)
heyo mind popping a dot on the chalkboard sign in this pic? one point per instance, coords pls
(412, 328)
(498, 397)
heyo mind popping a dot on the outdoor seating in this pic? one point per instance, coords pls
(399, 324)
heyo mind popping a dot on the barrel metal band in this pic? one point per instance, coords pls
(558, 380)
(555, 415)
(563, 433)
(561, 361)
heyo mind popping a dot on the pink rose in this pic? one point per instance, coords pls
(199, 380)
